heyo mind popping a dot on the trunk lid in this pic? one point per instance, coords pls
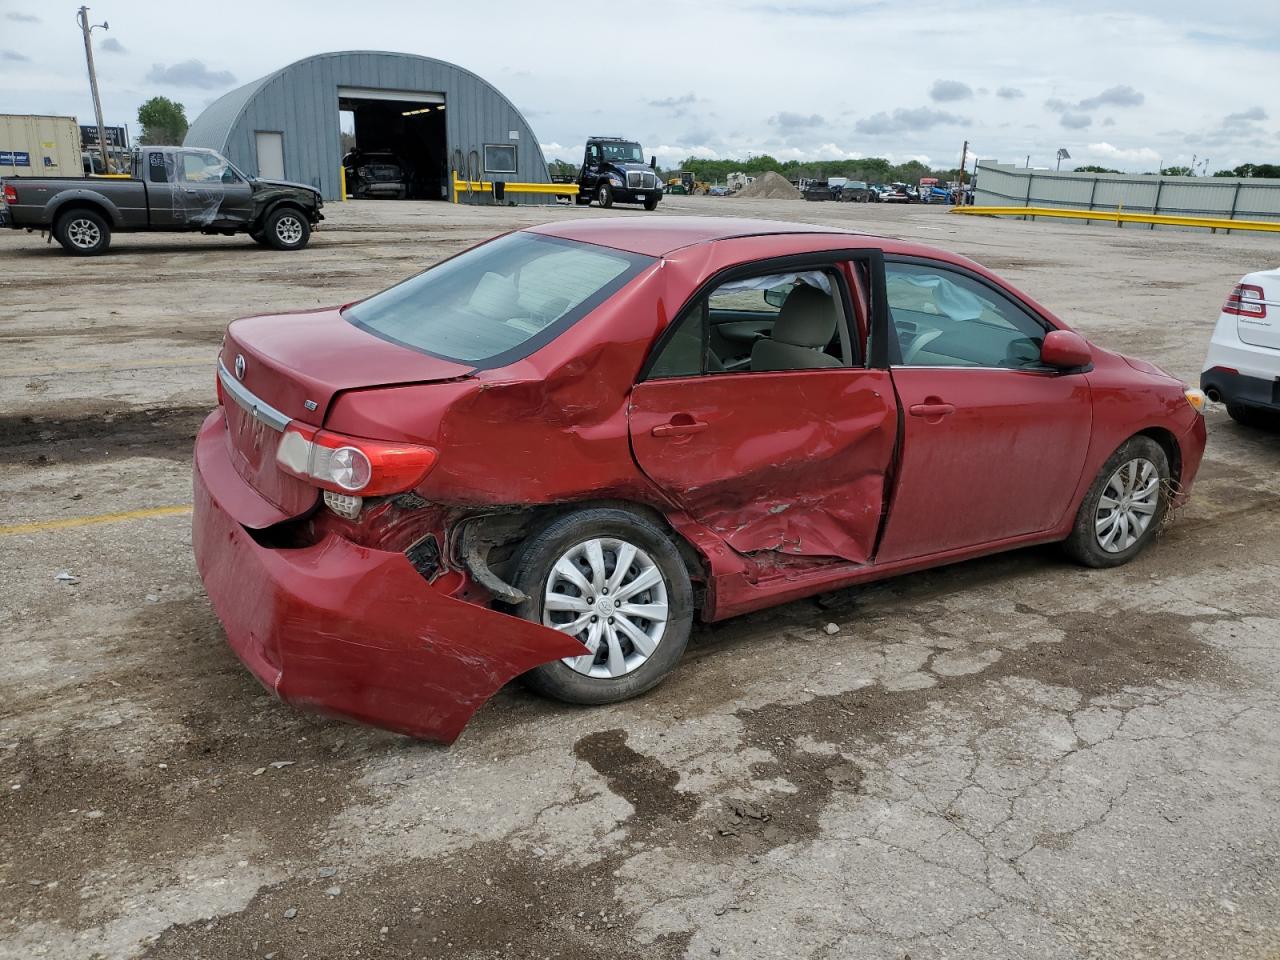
(290, 367)
(1261, 329)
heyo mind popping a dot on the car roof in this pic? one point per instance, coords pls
(659, 236)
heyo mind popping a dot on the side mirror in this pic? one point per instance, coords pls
(1065, 350)
(777, 296)
(653, 162)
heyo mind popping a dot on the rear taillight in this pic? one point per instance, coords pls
(1246, 301)
(10, 193)
(352, 465)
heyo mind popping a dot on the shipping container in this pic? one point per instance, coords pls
(38, 146)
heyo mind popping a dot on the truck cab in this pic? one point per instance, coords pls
(614, 171)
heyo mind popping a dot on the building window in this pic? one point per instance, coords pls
(499, 158)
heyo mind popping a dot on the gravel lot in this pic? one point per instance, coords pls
(1006, 758)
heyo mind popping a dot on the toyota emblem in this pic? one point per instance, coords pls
(239, 366)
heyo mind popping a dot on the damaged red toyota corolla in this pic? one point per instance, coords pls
(547, 455)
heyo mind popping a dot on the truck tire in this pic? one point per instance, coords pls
(604, 196)
(83, 232)
(582, 199)
(286, 228)
(651, 204)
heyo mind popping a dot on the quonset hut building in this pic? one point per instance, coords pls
(434, 116)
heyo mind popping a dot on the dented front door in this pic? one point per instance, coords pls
(793, 461)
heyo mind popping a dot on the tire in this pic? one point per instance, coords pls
(621, 669)
(1124, 479)
(582, 199)
(83, 233)
(259, 237)
(651, 205)
(1251, 416)
(604, 196)
(286, 228)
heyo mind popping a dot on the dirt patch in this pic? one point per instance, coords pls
(83, 436)
(642, 781)
(488, 902)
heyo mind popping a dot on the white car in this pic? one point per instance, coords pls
(1242, 369)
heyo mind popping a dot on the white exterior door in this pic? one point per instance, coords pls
(270, 146)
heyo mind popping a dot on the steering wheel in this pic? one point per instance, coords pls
(918, 342)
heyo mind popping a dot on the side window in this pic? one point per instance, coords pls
(942, 318)
(206, 168)
(771, 322)
(159, 167)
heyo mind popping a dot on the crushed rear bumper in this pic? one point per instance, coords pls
(348, 630)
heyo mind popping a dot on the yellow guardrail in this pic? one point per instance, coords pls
(486, 187)
(1123, 216)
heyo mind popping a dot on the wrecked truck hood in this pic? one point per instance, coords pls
(261, 184)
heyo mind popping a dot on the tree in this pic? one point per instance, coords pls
(162, 122)
(1177, 172)
(1092, 168)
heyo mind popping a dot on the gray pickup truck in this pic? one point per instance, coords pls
(170, 189)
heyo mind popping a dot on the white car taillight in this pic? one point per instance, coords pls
(1246, 301)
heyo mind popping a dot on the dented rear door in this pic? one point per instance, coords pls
(792, 462)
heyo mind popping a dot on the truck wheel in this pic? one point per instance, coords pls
(287, 229)
(83, 233)
(604, 196)
(582, 199)
(651, 204)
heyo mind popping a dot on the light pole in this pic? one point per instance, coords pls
(82, 18)
(1062, 155)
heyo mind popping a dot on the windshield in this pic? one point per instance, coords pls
(500, 301)
(623, 152)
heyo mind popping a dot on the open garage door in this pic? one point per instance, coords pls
(401, 147)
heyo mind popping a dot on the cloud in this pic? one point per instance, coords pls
(112, 45)
(1056, 105)
(22, 17)
(905, 121)
(796, 121)
(1122, 96)
(1075, 121)
(1109, 122)
(832, 11)
(1244, 126)
(1010, 93)
(1106, 152)
(668, 103)
(948, 91)
(1253, 114)
(190, 73)
(14, 55)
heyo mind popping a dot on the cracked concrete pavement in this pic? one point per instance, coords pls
(1007, 758)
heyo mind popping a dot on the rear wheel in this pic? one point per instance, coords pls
(604, 196)
(83, 232)
(617, 583)
(1124, 507)
(286, 229)
(1251, 416)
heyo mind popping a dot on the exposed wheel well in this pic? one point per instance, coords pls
(282, 204)
(1169, 444)
(504, 530)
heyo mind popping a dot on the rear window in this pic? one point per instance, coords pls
(498, 302)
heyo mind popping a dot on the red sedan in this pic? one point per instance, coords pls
(545, 456)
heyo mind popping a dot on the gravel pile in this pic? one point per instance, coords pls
(770, 186)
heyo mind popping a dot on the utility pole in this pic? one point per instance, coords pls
(82, 17)
(964, 157)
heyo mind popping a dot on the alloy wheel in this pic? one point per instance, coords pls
(1128, 502)
(289, 229)
(611, 596)
(84, 233)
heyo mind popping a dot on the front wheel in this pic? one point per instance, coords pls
(617, 583)
(651, 205)
(1124, 507)
(83, 233)
(286, 229)
(582, 199)
(604, 196)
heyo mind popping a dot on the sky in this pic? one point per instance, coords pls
(1127, 85)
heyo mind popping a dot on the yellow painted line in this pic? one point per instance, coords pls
(96, 367)
(41, 526)
(1120, 216)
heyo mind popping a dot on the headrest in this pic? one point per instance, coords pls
(807, 318)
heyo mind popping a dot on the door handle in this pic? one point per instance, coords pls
(681, 425)
(932, 408)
